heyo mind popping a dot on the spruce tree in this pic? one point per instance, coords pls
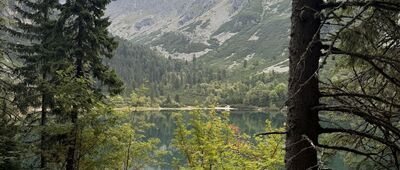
(9, 146)
(88, 42)
(34, 35)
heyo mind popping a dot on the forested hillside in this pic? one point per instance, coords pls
(174, 82)
(208, 49)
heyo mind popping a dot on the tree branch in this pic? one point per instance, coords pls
(362, 134)
(271, 133)
(367, 117)
(376, 4)
(341, 148)
(360, 96)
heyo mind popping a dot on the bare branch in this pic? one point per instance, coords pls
(376, 4)
(271, 133)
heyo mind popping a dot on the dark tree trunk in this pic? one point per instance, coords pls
(305, 51)
(43, 122)
(43, 140)
(72, 155)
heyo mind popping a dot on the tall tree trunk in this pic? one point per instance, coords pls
(305, 51)
(72, 138)
(128, 154)
(43, 122)
(43, 140)
(44, 148)
(72, 157)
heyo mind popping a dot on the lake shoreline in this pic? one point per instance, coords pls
(192, 108)
(188, 108)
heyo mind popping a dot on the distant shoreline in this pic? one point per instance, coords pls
(188, 108)
(191, 108)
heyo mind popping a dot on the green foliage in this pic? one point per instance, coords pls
(10, 147)
(84, 27)
(264, 90)
(209, 141)
(61, 48)
(214, 43)
(32, 43)
(110, 139)
(140, 98)
(89, 42)
(141, 67)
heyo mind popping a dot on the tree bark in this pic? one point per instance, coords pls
(305, 51)
(72, 155)
(44, 135)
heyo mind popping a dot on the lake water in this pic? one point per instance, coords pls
(249, 122)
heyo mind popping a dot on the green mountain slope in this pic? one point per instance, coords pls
(158, 81)
(228, 51)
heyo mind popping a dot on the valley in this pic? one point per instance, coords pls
(214, 49)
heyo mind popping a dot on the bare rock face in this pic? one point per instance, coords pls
(237, 4)
(133, 18)
(195, 9)
(144, 23)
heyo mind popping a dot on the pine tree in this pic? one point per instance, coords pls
(89, 42)
(177, 98)
(9, 145)
(35, 28)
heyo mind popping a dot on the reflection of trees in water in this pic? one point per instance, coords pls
(164, 126)
(248, 122)
(254, 122)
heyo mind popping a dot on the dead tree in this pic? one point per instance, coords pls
(356, 46)
(361, 95)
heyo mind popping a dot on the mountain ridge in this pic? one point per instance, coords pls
(222, 33)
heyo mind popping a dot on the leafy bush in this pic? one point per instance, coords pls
(210, 141)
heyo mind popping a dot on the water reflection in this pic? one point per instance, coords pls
(248, 122)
